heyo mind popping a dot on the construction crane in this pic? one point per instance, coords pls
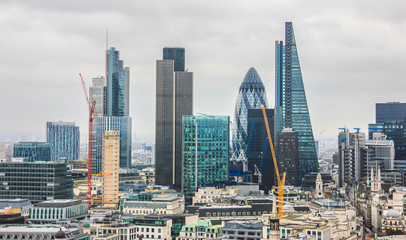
(91, 106)
(259, 174)
(281, 182)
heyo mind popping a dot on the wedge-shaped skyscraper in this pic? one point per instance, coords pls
(291, 106)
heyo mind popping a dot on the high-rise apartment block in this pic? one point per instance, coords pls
(111, 162)
(174, 99)
(36, 181)
(258, 149)
(112, 96)
(291, 109)
(288, 156)
(251, 95)
(33, 151)
(205, 151)
(391, 121)
(64, 138)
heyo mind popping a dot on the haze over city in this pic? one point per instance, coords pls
(352, 56)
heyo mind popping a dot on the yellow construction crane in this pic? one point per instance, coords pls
(281, 182)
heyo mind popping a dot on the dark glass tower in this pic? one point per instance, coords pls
(259, 152)
(391, 120)
(291, 105)
(174, 99)
(177, 55)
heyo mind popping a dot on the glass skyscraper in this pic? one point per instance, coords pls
(114, 105)
(176, 54)
(33, 151)
(252, 94)
(101, 124)
(205, 151)
(259, 152)
(290, 101)
(118, 81)
(391, 120)
(64, 138)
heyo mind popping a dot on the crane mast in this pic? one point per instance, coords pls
(91, 106)
(281, 182)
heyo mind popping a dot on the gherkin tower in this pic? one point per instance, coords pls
(252, 94)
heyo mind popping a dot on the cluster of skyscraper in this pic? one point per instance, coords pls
(193, 151)
(112, 96)
(384, 149)
(290, 119)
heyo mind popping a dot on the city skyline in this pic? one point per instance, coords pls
(345, 52)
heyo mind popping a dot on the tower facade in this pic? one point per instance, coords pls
(112, 109)
(291, 109)
(319, 186)
(205, 151)
(174, 99)
(111, 160)
(251, 95)
(97, 93)
(391, 121)
(258, 150)
(64, 138)
(33, 151)
(117, 81)
(288, 156)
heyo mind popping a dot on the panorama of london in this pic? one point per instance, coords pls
(188, 120)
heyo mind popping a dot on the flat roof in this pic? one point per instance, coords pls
(60, 203)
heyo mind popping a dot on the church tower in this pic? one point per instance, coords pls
(319, 187)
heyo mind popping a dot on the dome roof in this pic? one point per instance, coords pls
(392, 213)
(252, 80)
(60, 234)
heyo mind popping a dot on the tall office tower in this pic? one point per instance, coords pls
(290, 100)
(251, 94)
(258, 150)
(115, 108)
(64, 138)
(102, 124)
(118, 85)
(354, 156)
(174, 99)
(97, 92)
(33, 151)
(47, 181)
(288, 156)
(177, 55)
(205, 151)
(111, 160)
(391, 121)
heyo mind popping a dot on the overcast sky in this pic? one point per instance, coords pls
(352, 54)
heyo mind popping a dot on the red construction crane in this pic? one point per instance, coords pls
(90, 146)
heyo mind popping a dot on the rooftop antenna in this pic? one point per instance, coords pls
(107, 38)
